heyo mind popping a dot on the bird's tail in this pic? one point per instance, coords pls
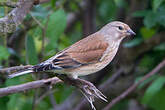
(19, 73)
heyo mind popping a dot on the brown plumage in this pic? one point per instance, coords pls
(87, 51)
(88, 55)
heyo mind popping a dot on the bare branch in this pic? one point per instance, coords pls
(13, 69)
(52, 100)
(44, 95)
(27, 86)
(9, 23)
(87, 88)
(133, 87)
(8, 4)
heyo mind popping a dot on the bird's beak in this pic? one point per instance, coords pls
(130, 32)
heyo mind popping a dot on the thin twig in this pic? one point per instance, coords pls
(43, 28)
(35, 96)
(37, 21)
(44, 95)
(52, 100)
(27, 86)
(133, 87)
(13, 69)
(43, 37)
(114, 77)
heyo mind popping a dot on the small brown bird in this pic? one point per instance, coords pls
(86, 56)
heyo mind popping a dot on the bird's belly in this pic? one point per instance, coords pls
(89, 69)
(85, 70)
(92, 68)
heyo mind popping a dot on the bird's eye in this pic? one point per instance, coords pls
(121, 28)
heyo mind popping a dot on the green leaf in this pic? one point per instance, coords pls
(14, 99)
(155, 17)
(31, 55)
(120, 3)
(13, 81)
(147, 63)
(3, 102)
(156, 4)
(53, 2)
(147, 33)
(39, 12)
(134, 42)
(141, 13)
(154, 88)
(55, 27)
(107, 10)
(19, 102)
(160, 47)
(150, 20)
(146, 81)
(161, 15)
(2, 12)
(4, 53)
(62, 93)
(157, 101)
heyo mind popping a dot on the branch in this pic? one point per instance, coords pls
(10, 70)
(14, 4)
(87, 88)
(71, 20)
(9, 4)
(133, 87)
(27, 86)
(89, 17)
(9, 23)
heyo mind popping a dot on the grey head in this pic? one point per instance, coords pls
(116, 30)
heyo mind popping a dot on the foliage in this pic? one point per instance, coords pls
(31, 55)
(48, 35)
(4, 53)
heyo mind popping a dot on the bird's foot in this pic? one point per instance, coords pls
(90, 92)
(87, 88)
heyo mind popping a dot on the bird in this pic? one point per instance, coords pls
(87, 56)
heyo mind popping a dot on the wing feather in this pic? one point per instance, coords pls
(86, 51)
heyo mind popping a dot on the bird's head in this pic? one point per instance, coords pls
(117, 30)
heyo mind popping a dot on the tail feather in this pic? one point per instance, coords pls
(20, 73)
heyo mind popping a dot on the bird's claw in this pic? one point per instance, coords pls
(87, 89)
(90, 92)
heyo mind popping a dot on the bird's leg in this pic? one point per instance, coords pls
(90, 91)
(87, 88)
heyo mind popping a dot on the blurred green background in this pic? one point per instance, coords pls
(53, 26)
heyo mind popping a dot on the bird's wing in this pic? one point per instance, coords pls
(86, 51)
